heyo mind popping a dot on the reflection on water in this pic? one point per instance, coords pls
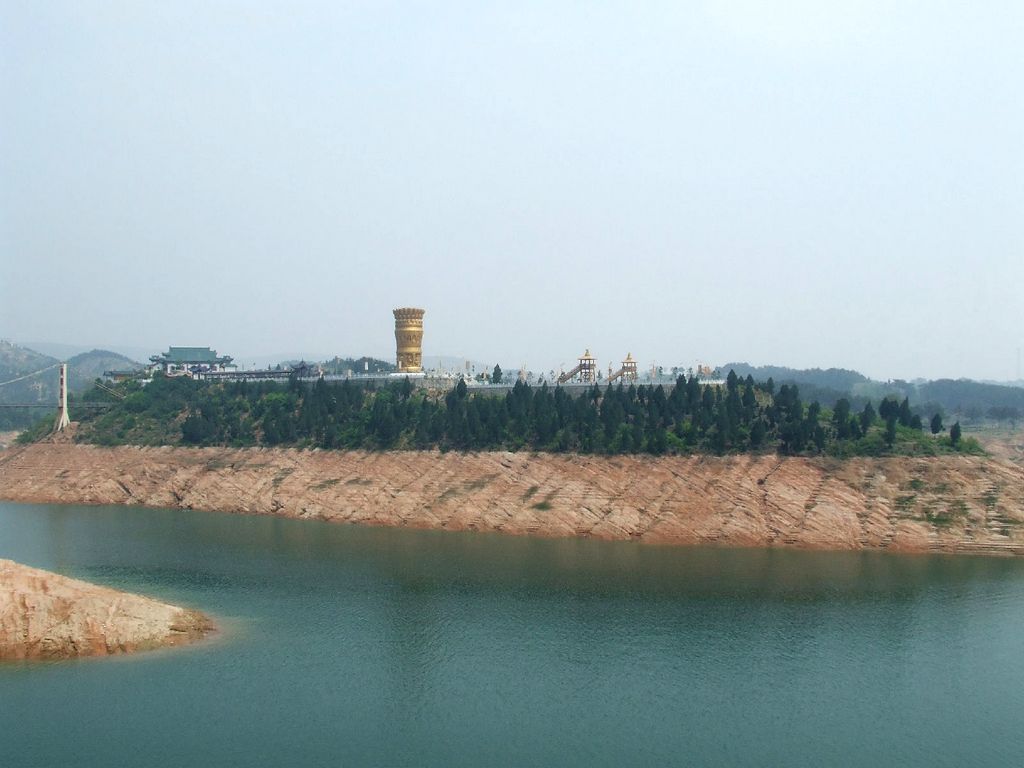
(371, 646)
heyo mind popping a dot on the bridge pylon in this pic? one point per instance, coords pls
(62, 403)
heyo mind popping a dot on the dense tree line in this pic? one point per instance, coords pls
(974, 399)
(834, 379)
(742, 416)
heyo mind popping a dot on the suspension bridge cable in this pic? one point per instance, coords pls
(29, 375)
(115, 393)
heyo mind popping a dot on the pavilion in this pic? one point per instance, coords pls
(178, 360)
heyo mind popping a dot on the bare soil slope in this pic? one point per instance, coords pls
(951, 503)
(47, 616)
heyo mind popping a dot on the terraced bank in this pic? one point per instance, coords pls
(944, 504)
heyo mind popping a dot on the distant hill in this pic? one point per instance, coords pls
(961, 397)
(838, 379)
(17, 362)
(974, 399)
(824, 385)
(67, 351)
(455, 364)
(341, 365)
(85, 368)
(37, 379)
(283, 359)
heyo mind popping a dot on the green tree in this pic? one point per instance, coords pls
(905, 416)
(867, 417)
(936, 424)
(819, 437)
(954, 434)
(890, 429)
(757, 433)
(496, 375)
(841, 418)
(195, 429)
(406, 388)
(749, 399)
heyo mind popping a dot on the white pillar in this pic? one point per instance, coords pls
(62, 414)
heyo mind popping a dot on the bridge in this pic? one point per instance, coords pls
(50, 406)
(63, 420)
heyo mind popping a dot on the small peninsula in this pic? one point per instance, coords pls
(45, 615)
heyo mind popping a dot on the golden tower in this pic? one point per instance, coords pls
(409, 339)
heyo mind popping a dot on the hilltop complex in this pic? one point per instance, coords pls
(205, 363)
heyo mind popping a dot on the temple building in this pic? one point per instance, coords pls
(188, 360)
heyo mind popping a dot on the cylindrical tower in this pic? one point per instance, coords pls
(409, 339)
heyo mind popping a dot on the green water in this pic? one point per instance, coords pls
(347, 646)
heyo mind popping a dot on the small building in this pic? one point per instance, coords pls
(178, 361)
(119, 376)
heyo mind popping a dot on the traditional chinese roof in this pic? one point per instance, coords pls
(184, 355)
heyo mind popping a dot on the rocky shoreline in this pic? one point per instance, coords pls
(45, 615)
(941, 504)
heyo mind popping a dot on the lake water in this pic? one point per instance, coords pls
(348, 646)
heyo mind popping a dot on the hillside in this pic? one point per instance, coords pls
(965, 399)
(740, 417)
(836, 379)
(85, 368)
(943, 503)
(346, 365)
(974, 399)
(15, 362)
(41, 384)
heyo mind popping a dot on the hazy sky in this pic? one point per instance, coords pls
(803, 183)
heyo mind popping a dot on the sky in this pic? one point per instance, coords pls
(795, 183)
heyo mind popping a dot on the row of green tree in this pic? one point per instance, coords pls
(742, 416)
